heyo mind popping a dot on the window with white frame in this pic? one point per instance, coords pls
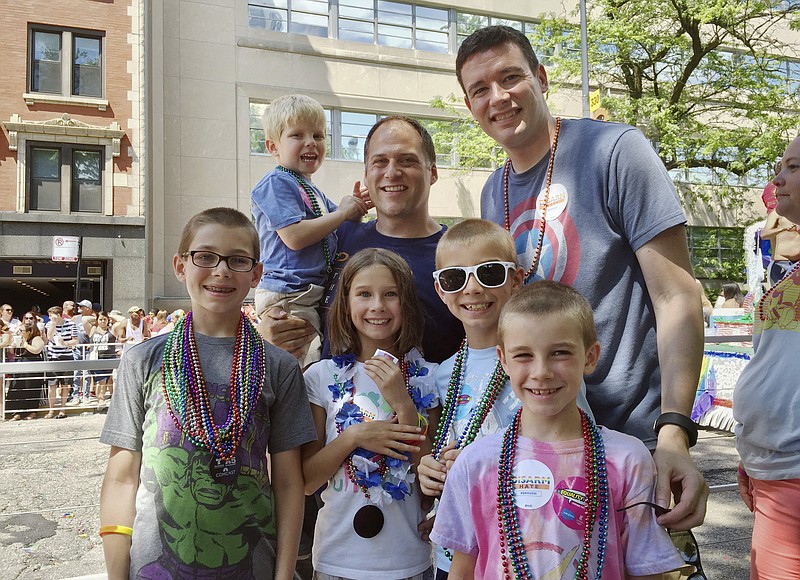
(346, 133)
(67, 62)
(380, 22)
(309, 17)
(64, 175)
(395, 24)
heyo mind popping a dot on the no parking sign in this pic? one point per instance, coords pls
(66, 248)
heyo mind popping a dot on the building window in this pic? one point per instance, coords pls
(65, 176)
(716, 252)
(381, 22)
(66, 62)
(309, 17)
(394, 24)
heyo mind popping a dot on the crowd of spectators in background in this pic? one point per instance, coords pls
(71, 331)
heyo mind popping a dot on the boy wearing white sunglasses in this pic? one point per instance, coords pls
(477, 274)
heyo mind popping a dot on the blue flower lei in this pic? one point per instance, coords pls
(382, 479)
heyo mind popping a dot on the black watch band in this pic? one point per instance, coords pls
(681, 421)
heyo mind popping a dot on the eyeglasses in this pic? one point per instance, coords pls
(206, 259)
(683, 540)
(27, 318)
(488, 275)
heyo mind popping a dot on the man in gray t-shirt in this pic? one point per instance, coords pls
(614, 229)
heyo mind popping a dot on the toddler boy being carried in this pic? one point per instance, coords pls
(296, 222)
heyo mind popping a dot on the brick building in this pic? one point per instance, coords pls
(70, 151)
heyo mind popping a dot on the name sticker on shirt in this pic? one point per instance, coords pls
(533, 484)
(555, 205)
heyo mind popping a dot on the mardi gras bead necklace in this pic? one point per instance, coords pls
(543, 221)
(762, 314)
(479, 412)
(315, 209)
(512, 545)
(187, 397)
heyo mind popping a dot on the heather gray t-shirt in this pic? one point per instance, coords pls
(188, 525)
(610, 195)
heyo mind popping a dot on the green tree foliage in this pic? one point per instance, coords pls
(700, 78)
(462, 140)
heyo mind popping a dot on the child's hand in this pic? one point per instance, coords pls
(424, 528)
(390, 438)
(431, 476)
(362, 193)
(352, 208)
(449, 455)
(389, 379)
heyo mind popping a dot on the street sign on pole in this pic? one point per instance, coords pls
(66, 248)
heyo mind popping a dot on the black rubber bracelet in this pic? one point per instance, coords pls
(681, 421)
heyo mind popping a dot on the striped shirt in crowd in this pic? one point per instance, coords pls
(68, 331)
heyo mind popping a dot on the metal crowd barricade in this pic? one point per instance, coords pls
(38, 370)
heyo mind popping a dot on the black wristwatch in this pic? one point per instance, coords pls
(681, 421)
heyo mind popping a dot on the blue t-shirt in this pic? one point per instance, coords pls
(277, 202)
(443, 331)
(610, 195)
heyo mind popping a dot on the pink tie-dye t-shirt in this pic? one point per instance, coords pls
(550, 496)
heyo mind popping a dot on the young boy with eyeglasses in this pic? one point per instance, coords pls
(554, 495)
(477, 274)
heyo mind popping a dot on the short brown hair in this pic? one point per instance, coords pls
(545, 297)
(55, 310)
(342, 333)
(428, 149)
(488, 38)
(223, 216)
(475, 230)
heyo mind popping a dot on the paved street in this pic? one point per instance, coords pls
(50, 475)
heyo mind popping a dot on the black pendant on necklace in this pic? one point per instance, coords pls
(224, 470)
(368, 521)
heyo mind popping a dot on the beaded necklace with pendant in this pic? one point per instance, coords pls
(512, 545)
(479, 413)
(378, 458)
(543, 221)
(187, 397)
(315, 209)
(763, 315)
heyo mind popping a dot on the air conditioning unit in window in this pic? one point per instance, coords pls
(22, 270)
(94, 271)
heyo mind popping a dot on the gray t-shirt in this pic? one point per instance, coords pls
(188, 525)
(610, 195)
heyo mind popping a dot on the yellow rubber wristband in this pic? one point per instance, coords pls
(124, 530)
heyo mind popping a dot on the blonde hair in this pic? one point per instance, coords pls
(290, 109)
(474, 230)
(341, 331)
(223, 216)
(544, 298)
